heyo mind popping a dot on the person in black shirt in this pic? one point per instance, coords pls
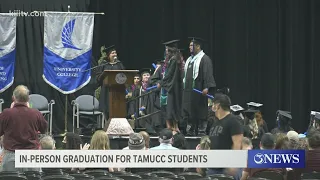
(226, 132)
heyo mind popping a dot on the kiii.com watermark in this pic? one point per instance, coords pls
(26, 14)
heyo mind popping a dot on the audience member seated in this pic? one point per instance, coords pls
(282, 141)
(303, 144)
(24, 120)
(293, 135)
(179, 141)
(135, 142)
(72, 141)
(312, 156)
(205, 144)
(100, 141)
(146, 138)
(246, 144)
(166, 140)
(268, 141)
(47, 143)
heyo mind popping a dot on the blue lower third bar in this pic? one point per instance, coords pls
(276, 159)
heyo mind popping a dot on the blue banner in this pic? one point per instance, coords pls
(276, 159)
(67, 50)
(7, 50)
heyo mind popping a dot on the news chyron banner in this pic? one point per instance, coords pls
(67, 50)
(159, 159)
(8, 23)
(276, 158)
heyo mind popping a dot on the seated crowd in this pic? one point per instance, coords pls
(250, 135)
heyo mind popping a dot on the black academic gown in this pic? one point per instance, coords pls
(143, 101)
(195, 105)
(104, 94)
(131, 104)
(154, 80)
(172, 83)
(149, 122)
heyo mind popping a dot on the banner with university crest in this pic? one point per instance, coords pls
(7, 49)
(67, 50)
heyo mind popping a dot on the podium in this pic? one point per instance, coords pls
(116, 81)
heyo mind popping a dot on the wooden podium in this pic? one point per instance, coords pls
(116, 81)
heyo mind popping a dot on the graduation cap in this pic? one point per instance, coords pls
(249, 113)
(254, 106)
(197, 40)
(109, 49)
(317, 116)
(172, 43)
(285, 114)
(144, 71)
(236, 109)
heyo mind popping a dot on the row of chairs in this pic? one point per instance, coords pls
(81, 106)
(102, 174)
(60, 174)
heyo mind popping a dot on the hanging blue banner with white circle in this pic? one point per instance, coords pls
(67, 50)
(7, 49)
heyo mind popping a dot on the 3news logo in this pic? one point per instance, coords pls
(276, 159)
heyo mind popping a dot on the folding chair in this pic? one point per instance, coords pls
(83, 105)
(41, 103)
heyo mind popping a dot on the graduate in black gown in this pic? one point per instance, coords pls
(171, 84)
(143, 106)
(129, 91)
(198, 75)
(153, 81)
(112, 63)
(284, 119)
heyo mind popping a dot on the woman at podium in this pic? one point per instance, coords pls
(111, 63)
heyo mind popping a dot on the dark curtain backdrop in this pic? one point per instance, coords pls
(265, 51)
